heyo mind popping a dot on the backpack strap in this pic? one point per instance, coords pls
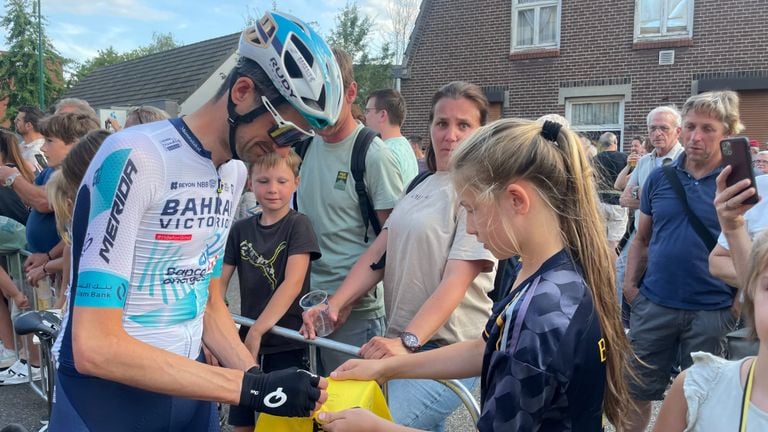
(411, 186)
(359, 152)
(417, 180)
(300, 148)
(698, 226)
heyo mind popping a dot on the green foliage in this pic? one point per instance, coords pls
(19, 65)
(352, 33)
(160, 42)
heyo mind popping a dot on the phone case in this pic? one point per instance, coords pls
(736, 154)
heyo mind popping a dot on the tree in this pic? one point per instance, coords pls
(160, 42)
(402, 15)
(352, 34)
(19, 65)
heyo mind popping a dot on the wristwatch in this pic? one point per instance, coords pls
(10, 179)
(410, 341)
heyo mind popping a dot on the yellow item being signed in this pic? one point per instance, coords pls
(341, 395)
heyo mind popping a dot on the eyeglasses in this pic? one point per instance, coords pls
(374, 109)
(662, 129)
(759, 162)
(285, 133)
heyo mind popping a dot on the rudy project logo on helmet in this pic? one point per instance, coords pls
(277, 70)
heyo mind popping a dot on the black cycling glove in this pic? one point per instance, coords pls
(289, 392)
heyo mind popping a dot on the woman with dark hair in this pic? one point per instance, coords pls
(436, 276)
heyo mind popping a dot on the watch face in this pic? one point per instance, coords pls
(410, 340)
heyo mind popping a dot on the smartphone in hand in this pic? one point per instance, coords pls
(736, 154)
(41, 161)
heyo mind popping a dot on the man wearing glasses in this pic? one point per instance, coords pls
(149, 227)
(663, 132)
(761, 163)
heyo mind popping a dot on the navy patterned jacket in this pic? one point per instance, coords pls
(544, 362)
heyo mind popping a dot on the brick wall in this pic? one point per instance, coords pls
(470, 40)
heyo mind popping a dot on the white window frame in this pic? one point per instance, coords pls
(569, 102)
(537, 5)
(663, 34)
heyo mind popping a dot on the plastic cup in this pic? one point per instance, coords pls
(322, 322)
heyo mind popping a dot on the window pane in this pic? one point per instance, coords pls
(677, 19)
(525, 27)
(650, 16)
(598, 113)
(548, 25)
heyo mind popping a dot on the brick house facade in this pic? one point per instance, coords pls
(595, 62)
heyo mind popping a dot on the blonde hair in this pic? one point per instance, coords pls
(513, 149)
(273, 159)
(144, 114)
(758, 262)
(722, 105)
(64, 183)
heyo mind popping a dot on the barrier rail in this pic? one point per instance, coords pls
(466, 397)
(14, 262)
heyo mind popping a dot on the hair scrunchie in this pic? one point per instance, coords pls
(550, 130)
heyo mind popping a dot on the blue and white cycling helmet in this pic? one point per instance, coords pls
(300, 64)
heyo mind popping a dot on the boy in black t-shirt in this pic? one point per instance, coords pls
(272, 251)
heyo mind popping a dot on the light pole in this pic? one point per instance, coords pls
(40, 76)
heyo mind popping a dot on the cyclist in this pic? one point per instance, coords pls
(149, 226)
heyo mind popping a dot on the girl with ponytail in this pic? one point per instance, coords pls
(553, 356)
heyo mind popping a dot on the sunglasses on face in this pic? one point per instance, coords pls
(285, 133)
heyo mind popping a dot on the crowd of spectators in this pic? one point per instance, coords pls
(650, 240)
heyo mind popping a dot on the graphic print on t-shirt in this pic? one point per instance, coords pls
(266, 265)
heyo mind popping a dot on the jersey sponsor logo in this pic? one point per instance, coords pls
(173, 237)
(203, 184)
(177, 276)
(171, 143)
(211, 212)
(278, 71)
(118, 205)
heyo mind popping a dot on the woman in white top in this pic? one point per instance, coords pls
(720, 395)
(436, 277)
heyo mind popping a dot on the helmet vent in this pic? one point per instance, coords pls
(303, 50)
(291, 67)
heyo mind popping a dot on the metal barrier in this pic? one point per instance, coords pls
(15, 263)
(454, 385)
(16, 271)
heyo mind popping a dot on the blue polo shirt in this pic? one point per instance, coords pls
(41, 227)
(678, 260)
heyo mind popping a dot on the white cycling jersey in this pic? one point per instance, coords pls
(149, 227)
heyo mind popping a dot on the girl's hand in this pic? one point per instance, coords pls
(354, 419)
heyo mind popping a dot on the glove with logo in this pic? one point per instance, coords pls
(289, 392)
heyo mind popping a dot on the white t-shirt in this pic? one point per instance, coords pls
(757, 216)
(426, 229)
(713, 392)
